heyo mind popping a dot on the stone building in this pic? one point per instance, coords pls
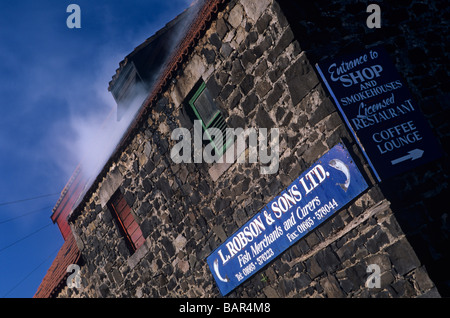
(144, 226)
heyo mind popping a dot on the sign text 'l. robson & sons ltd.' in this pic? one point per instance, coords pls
(326, 187)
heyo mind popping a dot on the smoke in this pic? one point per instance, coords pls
(90, 137)
(96, 137)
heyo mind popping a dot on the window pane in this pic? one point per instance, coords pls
(206, 107)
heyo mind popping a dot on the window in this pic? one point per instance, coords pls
(126, 89)
(208, 113)
(128, 226)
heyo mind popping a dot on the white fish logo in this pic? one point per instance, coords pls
(216, 269)
(339, 165)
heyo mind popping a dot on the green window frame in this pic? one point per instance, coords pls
(211, 117)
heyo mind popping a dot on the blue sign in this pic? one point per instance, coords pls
(326, 187)
(380, 111)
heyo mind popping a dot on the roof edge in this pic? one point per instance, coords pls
(197, 28)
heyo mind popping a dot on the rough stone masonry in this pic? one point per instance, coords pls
(257, 62)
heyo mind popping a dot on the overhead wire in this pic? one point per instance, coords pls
(25, 214)
(29, 199)
(28, 235)
(25, 237)
(30, 273)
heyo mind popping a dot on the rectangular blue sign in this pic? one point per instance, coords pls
(380, 111)
(326, 187)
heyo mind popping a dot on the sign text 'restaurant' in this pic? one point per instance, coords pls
(379, 110)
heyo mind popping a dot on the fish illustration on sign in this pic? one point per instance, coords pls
(216, 269)
(339, 165)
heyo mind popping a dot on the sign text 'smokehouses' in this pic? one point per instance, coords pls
(332, 182)
(379, 110)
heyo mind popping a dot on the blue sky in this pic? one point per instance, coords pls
(51, 78)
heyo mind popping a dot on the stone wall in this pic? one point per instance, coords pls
(260, 76)
(417, 38)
